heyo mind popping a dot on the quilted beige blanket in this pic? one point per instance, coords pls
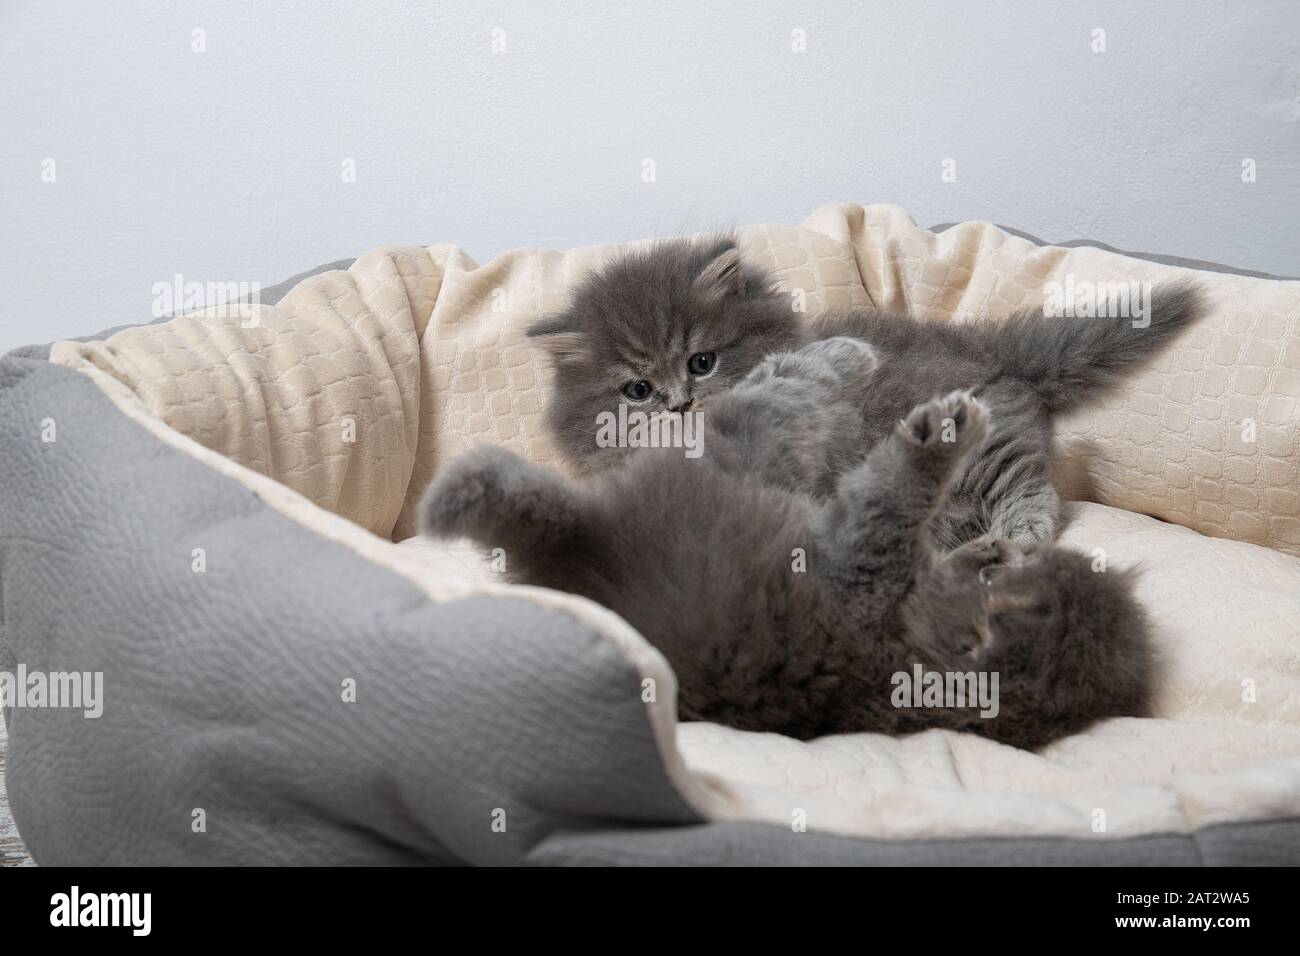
(339, 403)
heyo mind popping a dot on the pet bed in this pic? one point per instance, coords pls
(216, 512)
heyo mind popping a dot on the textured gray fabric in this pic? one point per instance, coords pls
(739, 844)
(223, 689)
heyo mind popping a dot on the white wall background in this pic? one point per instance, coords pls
(225, 165)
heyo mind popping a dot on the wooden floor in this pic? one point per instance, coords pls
(12, 852)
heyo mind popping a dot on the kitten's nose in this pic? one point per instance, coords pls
(683, 407)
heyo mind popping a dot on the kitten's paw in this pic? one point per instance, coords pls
(468, 492)
(845, 357)
(835, 362)
(953, 424)
(974, 557)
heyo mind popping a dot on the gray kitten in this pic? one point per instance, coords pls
(782, 611)
(674, 325)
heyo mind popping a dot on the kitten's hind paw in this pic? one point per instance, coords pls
(468, 492)
(953, 424)
(984, 552)
(502, 501)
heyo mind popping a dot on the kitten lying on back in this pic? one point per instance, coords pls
(697, 554)
(672, 326)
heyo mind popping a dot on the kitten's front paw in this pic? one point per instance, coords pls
(467, 492)
(953, 424)
(983, 552)
(983, 558)
(846, 357)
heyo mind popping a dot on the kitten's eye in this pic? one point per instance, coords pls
(638, 391)
(701, 363)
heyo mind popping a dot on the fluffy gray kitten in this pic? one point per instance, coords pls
(674, 325)
(783, 610)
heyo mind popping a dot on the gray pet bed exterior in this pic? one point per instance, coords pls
(218, 692)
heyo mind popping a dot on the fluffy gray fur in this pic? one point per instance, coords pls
(701, 556)
(642, 317)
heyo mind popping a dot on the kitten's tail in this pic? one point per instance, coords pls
(1068, 359)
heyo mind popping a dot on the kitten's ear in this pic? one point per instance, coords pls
(557, 333)
(722, 277)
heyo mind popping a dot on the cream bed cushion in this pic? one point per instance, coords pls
(424, 348)
(351, 392)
